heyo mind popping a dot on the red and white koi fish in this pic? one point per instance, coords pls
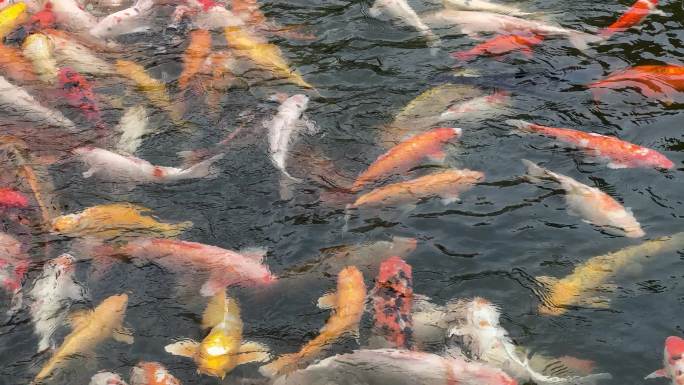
(121, 168)
(502, 45)
(591, 204)
(129, 20)
(482, 106)
(392, 303)
(659, 82)
(152, 373)
(12, 198)
(673, 361)
(106, 378)
(633, 16)
(51, 296)
(619, 153)
(484, 5)
(79, 94)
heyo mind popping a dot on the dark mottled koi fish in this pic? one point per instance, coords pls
(392, 302)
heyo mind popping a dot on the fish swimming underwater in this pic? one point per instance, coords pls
(79, 94)
(581, 286)
(591, 204)
(15, 66)
(206, 14)
(402, 11)
(70, 52)
(501, 45)
(133, 126)
(152, 373)
(38, 49)
(114, 220)
(121, 168)
(633, 16)
(396, 367)
(348, 303)
(198, 49)
(673, 361)
(52, 295)
(106, 378)
(12, 198)
(130, 20)
(619, 153)
(484, 5)
(406, 155)
(481, 106)
(11, 17)
(14, 264)
(659, 82)
(392, 299)
(223, 348)
(72, 17)
(89, 329)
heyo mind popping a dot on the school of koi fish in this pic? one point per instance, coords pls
(69, 67)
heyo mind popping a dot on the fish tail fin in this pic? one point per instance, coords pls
(284, 364)
(581, 40)
(203, 169)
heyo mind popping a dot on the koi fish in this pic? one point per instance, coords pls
(152, 373)
(52, 295)
(673, 360)
(446, 184)
(481, 106)
(206, 14)
(90, 328)
(591, 204)
(401, 10)
(130, 20)
(12, 198)
(406, 155)
(487, 341)
(114, 220)
(576, 288)
(397, 367)
(633, 16)
(195, 55)
(348, 303)
(218, 75)
(263, 54)
(473, 23)
(15, 66)
(392, 303)
(249, 11)
(14, 264)
(121, 168)
(71, 53)
(11, 17)
(39, 50)
(133, 127)
(79, 94)
(619, 153)
(659, 82)
(502, 45)
(72, 17)
(153, 89)
(106, 378)
(223, 348)
(486, 6)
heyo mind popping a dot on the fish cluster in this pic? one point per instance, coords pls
(57, 55)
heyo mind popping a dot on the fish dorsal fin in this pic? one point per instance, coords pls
(124, 335)
(253, 352)
(184, 348)
(215, 311)
(546, 280)
(254, 253)
(79, 318)
(328, 301)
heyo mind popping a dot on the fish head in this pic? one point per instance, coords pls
(297, 102)
(106, 378)
(396, 274)
(62, 264)
(349, 279)
(64, 224)
(674, 359)
(115, 306)
(447, 133)
(482, 314)
(152, 373)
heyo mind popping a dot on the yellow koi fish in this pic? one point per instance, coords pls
(223, 348)
(348, 304)
(11, 17)
(90, 328)
(154, 90)
(264, 54)
(591, 275)
(39, 49)
(113, 220)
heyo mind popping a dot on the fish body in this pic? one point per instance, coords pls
(11, 17)
(482, 106)
(406, 155)
(397, 367)
(113, 220)
(195, 55)
(222, 349)
(122, 168)
(401, 10)
(130, 20)
(71, 53)
(79, 94)
(660, 82)
(152, 373)
(15, 66)
(133, 127)
(633, 16)
(485, 6)
(90, 328)
(473, 23)
(52, 295)
(501, 45)
(154, 90)
(39, 50)
(263, 54)
(348, 303)
(393, 301)
(577, 287)
(12, 198)
(591, 204)
(72, 17)
(619, 153)
(106, 378)
(673, 360)
(446, 185)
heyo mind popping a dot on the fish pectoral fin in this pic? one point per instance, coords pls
(547, 280)
(123, 334)
(437, 156)
(327, 301)
(184, 348)
(79, 318)
(657, 374)
(253, 352)
(616, 165)
(597, 302)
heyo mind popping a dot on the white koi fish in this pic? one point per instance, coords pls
(401, 10)
(484, 5)
(106, 378)
(72, 17)
(129, 20)
(133, 126)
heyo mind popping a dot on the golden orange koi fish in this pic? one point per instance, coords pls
(223, 348)
(90, 328)
(197, 51)
(11, 17)
(264, 54)
(348, 303)
(113, 220)
(592, 274)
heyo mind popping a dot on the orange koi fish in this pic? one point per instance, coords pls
(348, 304)
(392, 302)
(197, 51)
(151, 373)
(15, 66)
(660, 82)
(407, 155)
(633, 16)
(501, 45)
